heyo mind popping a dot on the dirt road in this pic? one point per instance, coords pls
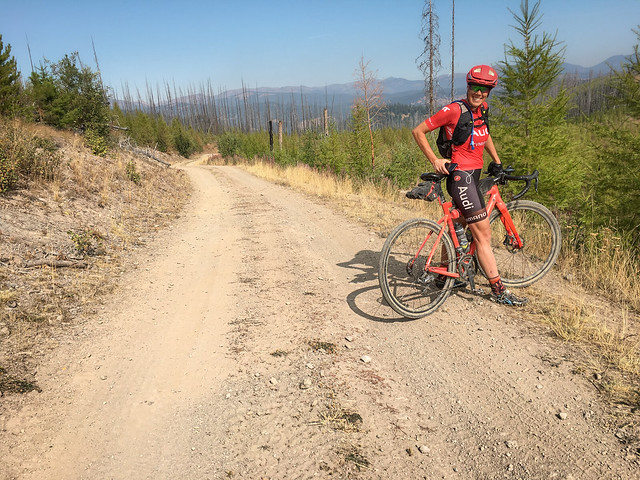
(250, 342)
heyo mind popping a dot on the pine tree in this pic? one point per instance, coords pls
(359, 146)
(43, 92)
(68, 94)
(615, 202)
(531, 106)
(9, 81)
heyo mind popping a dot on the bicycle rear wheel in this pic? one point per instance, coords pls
(407, 287)
(540, 232)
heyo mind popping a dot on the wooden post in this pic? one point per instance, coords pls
(326, 122)
(271, 135)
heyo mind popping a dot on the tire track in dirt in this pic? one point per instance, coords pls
(497, 417)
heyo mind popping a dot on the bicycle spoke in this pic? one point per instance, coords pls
(540, 234)
(406, 284)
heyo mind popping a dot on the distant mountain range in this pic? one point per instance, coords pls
(399, 90)
(602, 68)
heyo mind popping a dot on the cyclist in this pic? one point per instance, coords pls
(462, 182)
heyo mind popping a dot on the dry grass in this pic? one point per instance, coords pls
(335, 417)
(353, 455)
(608, 266)
(583, 322)
(604, 321)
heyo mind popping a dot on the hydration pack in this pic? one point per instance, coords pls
(464, 128)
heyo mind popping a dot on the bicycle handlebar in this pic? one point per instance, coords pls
(502, 178)
(505, 176)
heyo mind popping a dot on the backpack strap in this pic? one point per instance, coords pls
(484, 111)
(458, 129)
(466, 105)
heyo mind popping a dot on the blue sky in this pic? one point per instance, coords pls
(292, 43)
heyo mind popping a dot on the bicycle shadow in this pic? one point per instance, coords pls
(365, 263)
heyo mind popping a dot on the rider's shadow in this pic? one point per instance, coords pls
(365, 263)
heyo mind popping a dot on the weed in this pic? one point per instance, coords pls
(10, 384)
(7, 296)
(323, 346)
(96, 142)
(87, 242)
(132, 173)
(25, 157)
(353, 455)
(336, 417)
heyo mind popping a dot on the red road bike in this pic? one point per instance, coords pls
(420, 263)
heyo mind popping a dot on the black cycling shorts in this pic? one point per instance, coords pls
(462, 185)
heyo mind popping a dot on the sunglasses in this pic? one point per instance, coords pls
(479, 88)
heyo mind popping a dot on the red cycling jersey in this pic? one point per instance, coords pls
(463, 155)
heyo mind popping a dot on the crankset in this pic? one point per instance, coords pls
(467, 272)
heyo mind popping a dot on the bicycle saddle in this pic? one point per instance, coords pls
(432, 177)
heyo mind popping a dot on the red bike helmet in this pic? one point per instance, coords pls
(482, 75)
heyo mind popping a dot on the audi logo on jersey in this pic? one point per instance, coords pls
(466, 203)
(481, 132)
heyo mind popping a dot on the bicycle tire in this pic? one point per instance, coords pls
(540, 231)
(407, 288)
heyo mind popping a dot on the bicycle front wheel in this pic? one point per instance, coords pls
(538, 228)
(406, 284)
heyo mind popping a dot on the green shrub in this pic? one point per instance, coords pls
(407, 163)
(96, 142)
(8, 173)
(25, 157)
(68, 94)
(132, 173)
(184, 140)
(86, 242)
(229, 145)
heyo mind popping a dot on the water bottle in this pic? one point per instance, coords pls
(462, 237)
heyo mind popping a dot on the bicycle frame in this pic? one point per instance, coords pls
(451, 213)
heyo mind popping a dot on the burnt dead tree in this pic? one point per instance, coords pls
(453, 49)
(429, 59)
(370, 99)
